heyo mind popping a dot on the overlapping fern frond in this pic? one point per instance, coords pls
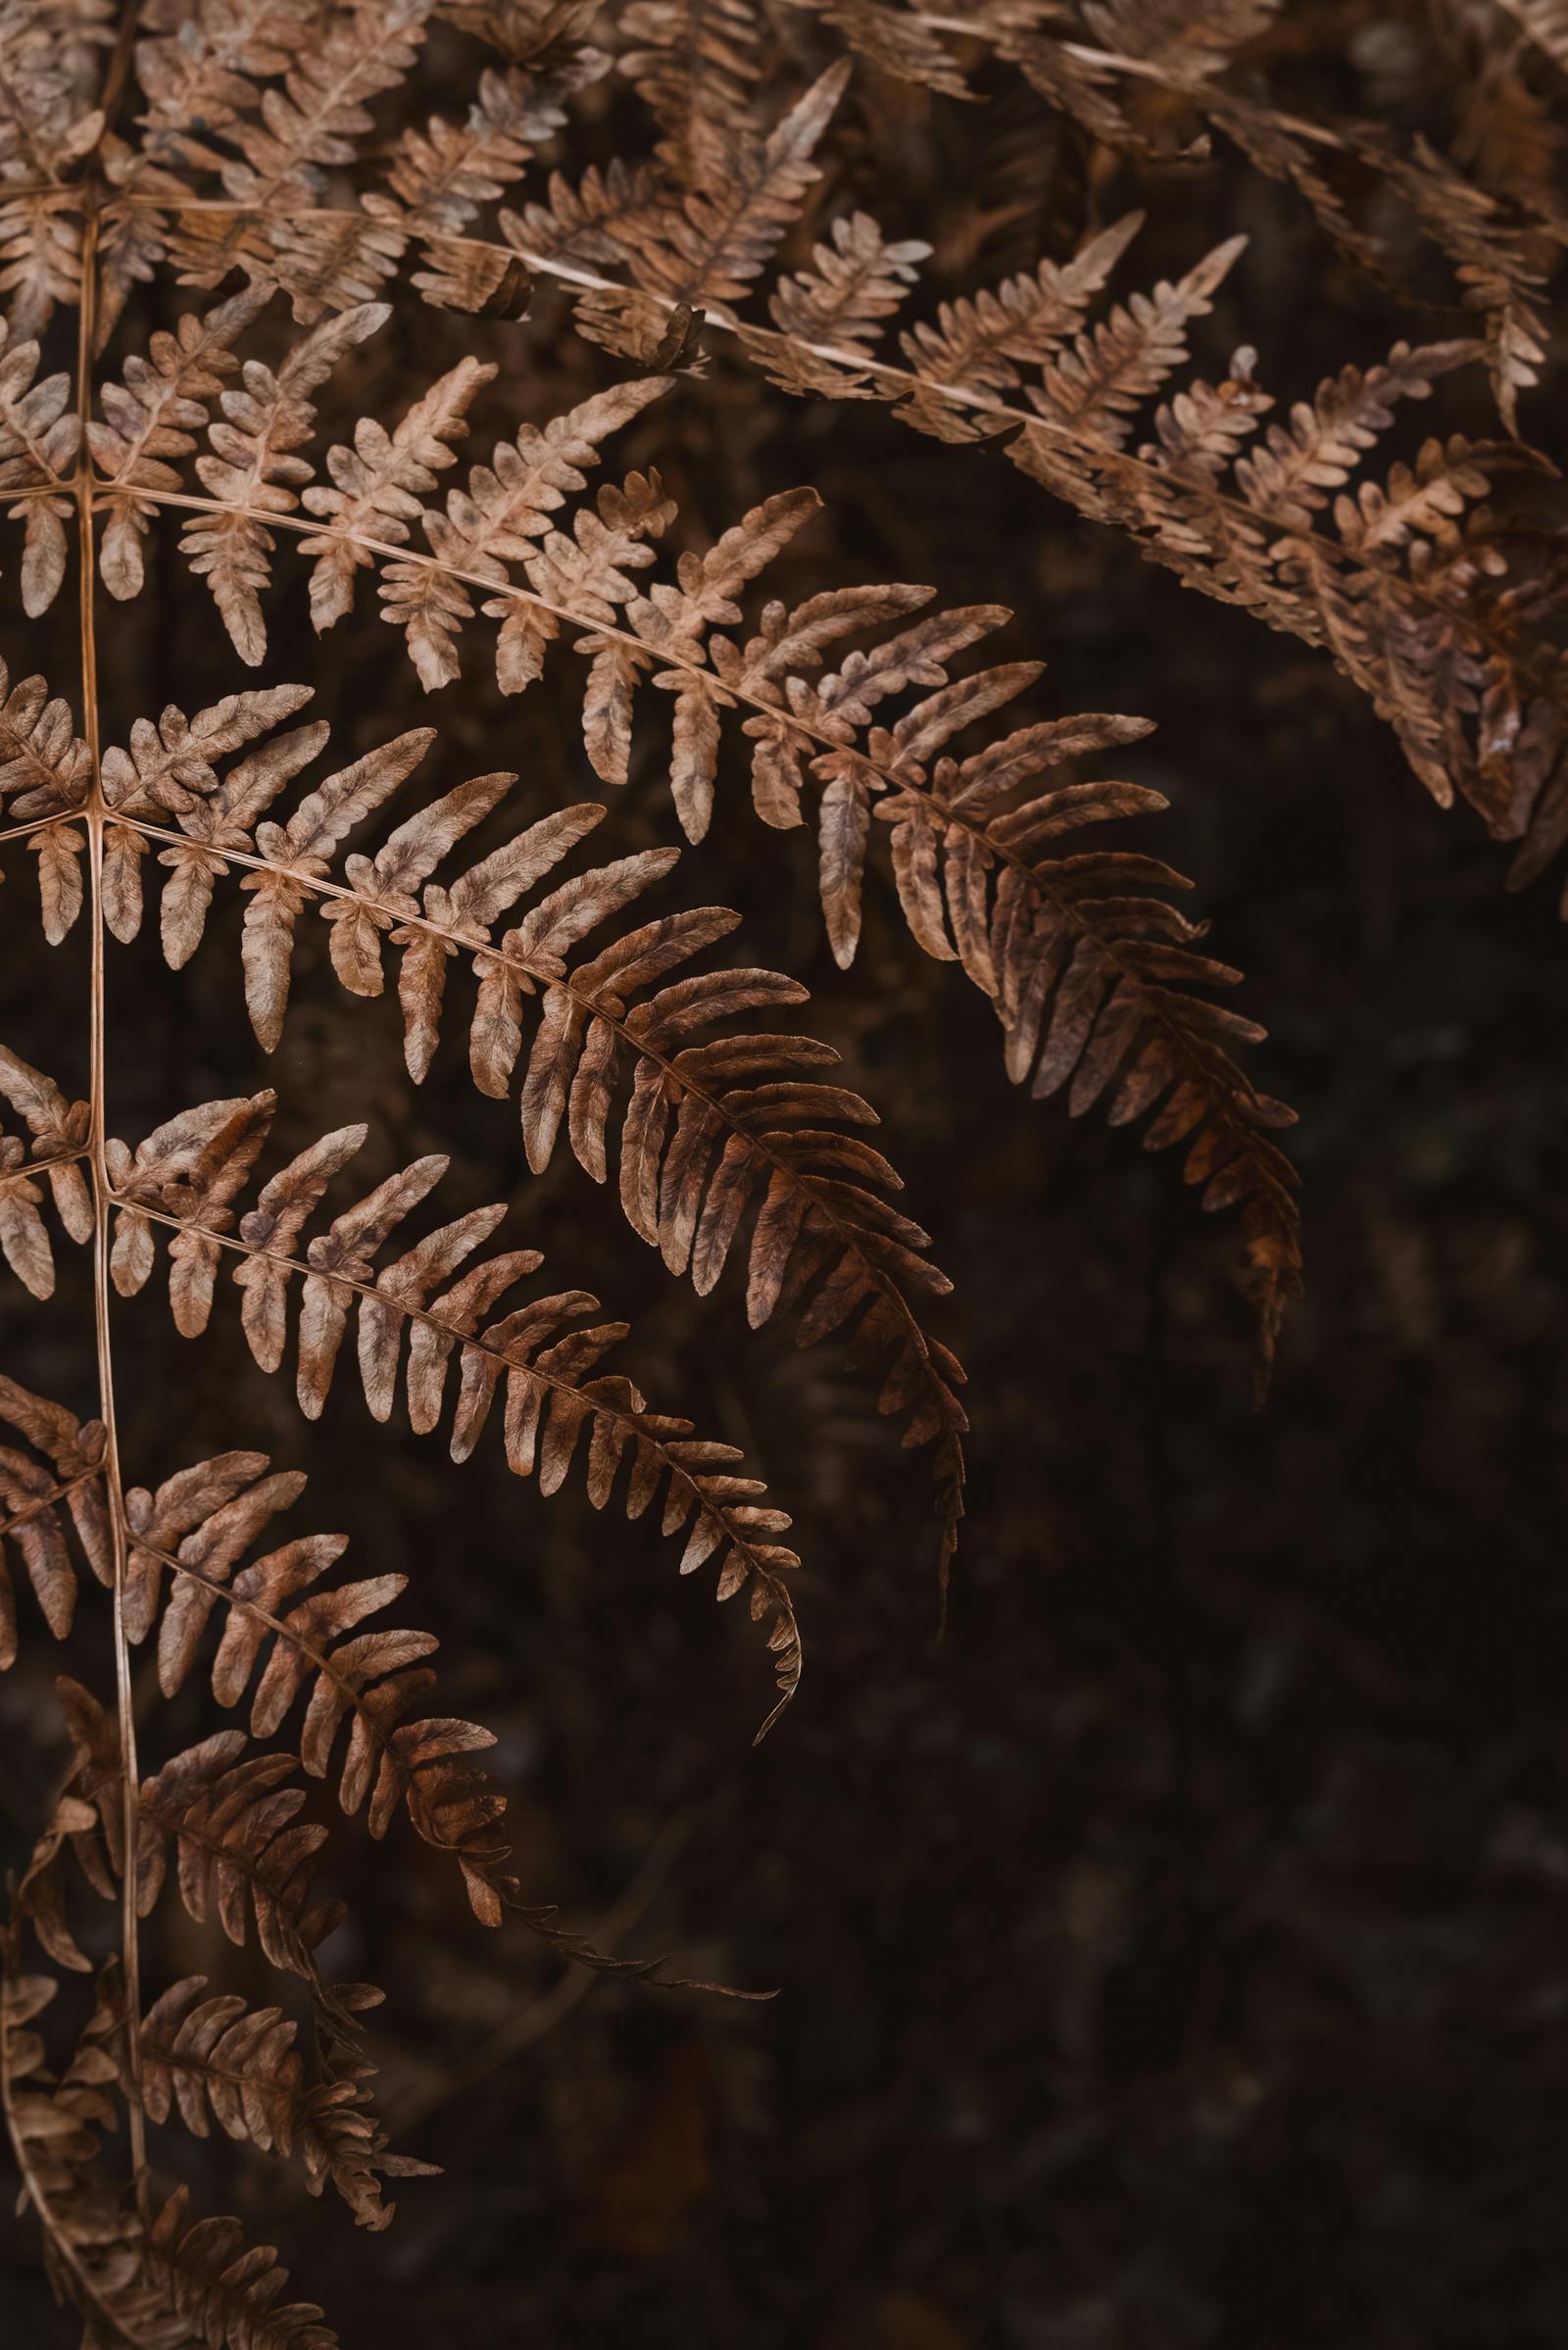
(967, 838)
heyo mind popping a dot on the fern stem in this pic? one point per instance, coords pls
(116, 79)
(130, 1949)
(530, 2024)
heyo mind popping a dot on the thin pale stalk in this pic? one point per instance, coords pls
(95, 813)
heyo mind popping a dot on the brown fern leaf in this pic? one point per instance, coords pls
(829, 728)
(1091, 976)
(1086, 85)
(254, 479)
(89, 1823)
(46, 767)
(695, 64)
(216, 2059)
(324, 261)
(201, 73)
(478, 279)
(1093, 388)
(441, 177)
(1347, 173)
(852, 285)
(218, 2289)
(1418, 610)
(48, 125)
(896, 42)
(322, 111)
(30, 1496)
(707, 245)
(40, 434)
(189, 1172)
(327, 258)
(981, 345)
(366, 1686)
(252, 471)
(1498, 273)
(577, 221)
(233, 1823)
(150, 2287)
(506, 507)
(59, 1139)
(151, 416)
(822, 1244)
(378, 484)
(243, 1852)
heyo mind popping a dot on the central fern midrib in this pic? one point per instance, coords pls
(84, 492)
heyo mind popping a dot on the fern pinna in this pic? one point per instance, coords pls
(274, 184)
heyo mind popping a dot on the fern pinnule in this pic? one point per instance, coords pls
(58, 1132)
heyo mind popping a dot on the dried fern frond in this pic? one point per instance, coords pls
(159, 2285)
(195, 1530)
(696, 65)
(953, 828)
(219, 2060)
(187, 1176)
(1406, 582)
(825, 1245)
(1242, 526)
(252, 150)
(218, 2288)
(1342, 171)
(538, 1356)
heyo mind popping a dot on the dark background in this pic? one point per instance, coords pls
(1175, 1955)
